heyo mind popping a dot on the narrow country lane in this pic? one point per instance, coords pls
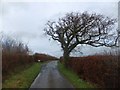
(49, 77)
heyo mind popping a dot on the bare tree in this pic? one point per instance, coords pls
(11, 45)
(82, 28)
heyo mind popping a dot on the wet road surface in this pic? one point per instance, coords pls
(49, 77)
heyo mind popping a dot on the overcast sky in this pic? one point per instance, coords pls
(26, 21)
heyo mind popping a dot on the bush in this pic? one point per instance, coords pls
(14, 54)
(11, 61)
(99, 69)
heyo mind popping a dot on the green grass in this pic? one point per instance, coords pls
(24, 78)
(73, 78)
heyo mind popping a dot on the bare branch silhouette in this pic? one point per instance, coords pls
(82, 28)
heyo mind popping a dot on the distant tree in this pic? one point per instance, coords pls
(82, 28)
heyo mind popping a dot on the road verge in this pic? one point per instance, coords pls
(73, 78)
(24, 78)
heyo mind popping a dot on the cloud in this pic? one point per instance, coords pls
(26, 20)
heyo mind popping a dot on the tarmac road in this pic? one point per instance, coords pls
(49, 77)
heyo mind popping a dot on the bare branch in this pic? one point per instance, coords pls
(83, 28)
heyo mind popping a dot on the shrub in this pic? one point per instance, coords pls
(11, 61)
(99, 69)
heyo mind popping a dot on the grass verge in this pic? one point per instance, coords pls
(24, 78)
(73, 78)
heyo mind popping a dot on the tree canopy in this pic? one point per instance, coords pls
(83, 28)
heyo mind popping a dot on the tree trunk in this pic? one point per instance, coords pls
(66, 58)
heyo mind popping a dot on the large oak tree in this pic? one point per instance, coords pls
(82, 28)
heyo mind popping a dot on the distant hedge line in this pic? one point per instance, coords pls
(43, 57)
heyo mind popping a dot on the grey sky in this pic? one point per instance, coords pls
(26, 21)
